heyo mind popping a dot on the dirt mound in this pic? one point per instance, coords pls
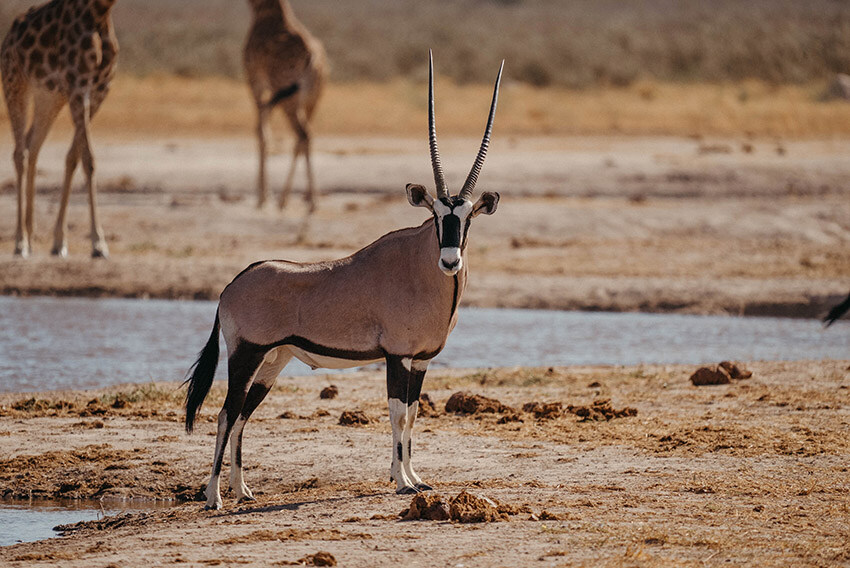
(735, 372)
(426, 507)
(354, 418)
(469, 508)
(722, 374)
(329, 392)
(466, 403)
(601, 410)
(318, 559)
(426, 407)
(544, 410)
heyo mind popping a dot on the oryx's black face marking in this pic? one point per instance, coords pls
(452, 216)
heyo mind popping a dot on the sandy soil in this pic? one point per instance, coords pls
(749, 473)
(651, 224)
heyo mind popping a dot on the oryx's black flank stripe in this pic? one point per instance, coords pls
(283, 93)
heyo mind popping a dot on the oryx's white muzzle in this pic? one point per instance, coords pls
(450, 260)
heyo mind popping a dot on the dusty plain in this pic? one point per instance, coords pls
(750, 473)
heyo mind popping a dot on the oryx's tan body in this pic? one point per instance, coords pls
(388, 298)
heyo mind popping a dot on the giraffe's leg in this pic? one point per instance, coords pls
(242, 365)
(60, 243)
(47, 106)
(81, 115)
(17, 102)
(400, 384)
(300, 125)
(274, 362)
(262, 139)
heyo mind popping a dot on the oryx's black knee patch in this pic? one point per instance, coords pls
(409, 448)
(399, 451)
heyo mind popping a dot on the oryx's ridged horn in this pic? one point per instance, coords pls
(439, 178)
(472, 178)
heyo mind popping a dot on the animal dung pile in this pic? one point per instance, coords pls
(722, 374)
(464, 508)
(466, 403)
(426, 507)
(426, 406)
(601, 410)
(354, 418)
(329, 392)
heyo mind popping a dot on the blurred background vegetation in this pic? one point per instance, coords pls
(575, 43)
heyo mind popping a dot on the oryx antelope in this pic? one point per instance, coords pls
(395, 300)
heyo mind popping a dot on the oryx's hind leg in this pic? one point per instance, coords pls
(274, 362)
(242, 365)
(404, 384)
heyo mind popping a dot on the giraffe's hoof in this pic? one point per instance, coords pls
(407, 490)
(100, 252)
(22, 250)
(424, 487)
(59, 250)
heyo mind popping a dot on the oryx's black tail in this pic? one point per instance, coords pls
(203, 372)
(837, 311)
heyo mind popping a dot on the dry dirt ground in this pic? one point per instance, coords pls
(756, 227)
(750, 473)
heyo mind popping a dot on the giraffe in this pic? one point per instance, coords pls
(62, 52)
(286, 66)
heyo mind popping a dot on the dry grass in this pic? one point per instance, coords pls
(546, 42)
(160, 105)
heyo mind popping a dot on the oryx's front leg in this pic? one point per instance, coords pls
(404, 383)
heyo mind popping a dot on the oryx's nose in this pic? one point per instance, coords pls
(450, 260)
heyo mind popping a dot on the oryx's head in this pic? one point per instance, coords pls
(452, 214)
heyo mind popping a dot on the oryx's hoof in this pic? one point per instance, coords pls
(424, 487)
(407, 490)
(213, 507)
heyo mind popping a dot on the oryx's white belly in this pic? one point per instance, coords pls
(325, 362)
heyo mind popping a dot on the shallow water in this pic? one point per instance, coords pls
(74, 343)
(27, 521)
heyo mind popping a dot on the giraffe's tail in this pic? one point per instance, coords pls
(283, 94)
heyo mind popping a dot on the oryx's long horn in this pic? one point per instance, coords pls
(472, 178)
(439, 178)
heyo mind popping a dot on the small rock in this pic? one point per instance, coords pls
(426, 406)
(354, 417)
(318, 559)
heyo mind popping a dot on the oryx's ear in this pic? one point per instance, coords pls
(486, 204)
(418, 196)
